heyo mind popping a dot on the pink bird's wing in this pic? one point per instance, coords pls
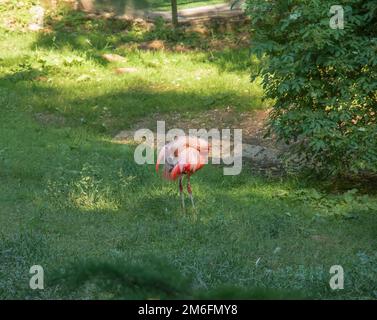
(183, 155)
(189, 161)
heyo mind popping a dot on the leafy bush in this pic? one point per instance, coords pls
(323, 80)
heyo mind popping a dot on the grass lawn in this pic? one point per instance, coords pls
(76, 203)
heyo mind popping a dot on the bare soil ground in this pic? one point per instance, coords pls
(259, 152)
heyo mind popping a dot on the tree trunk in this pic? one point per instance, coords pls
(174, 13)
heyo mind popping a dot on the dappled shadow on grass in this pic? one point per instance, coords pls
(139, 102)
(73, 30)
(111, 112)
(92, 36)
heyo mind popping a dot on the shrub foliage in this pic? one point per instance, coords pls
(323, 81)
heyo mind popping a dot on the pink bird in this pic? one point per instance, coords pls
(183, 156)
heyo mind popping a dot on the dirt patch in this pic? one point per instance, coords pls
(152, 45)
(180, 48)
(252, 123)
(125, 70)
(259, 152)
(111, 57)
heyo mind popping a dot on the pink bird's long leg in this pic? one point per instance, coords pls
(181, 192)
(190, 191)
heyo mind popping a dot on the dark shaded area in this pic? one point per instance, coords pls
(154, 278)
(124, 280)
(122, 104)
(365, 183)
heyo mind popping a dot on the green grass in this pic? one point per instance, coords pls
(76, 203)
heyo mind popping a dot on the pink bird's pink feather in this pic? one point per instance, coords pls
(184, 155)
